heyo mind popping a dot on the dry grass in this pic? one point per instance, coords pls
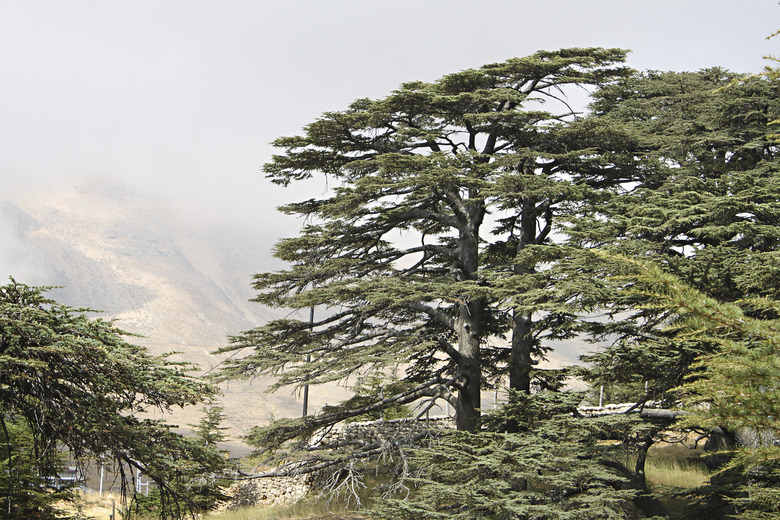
(675, 474)
(300, 511)
(90, 505)
(675, 466)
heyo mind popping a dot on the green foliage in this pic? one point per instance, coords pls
(733, 389)
(547, 466)
(398, 256)
(405, 267)
(145, 506)
(204, 488)
(371, 389)
(703, 205)
(208, 430)
(694, 187)
(25, 491)
(701, 202)
(73, 382)
(735, 386)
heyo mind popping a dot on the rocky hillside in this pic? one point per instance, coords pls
(140, 264)
(181, 286)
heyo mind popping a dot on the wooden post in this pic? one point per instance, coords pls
(381, 398)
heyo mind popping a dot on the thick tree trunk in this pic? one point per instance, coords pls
(520, 361)
(467, 408)
(468, 325)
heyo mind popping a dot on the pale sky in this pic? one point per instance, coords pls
(180, 98)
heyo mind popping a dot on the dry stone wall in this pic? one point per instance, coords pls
(269, 491)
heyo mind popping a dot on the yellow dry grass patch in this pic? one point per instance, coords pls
(89, 504)
(676, 466)
(675, 474)
(300, 511)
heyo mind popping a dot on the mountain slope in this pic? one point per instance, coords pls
(181, 286)
(140, 264)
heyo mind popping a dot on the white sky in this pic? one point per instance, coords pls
(180, 98)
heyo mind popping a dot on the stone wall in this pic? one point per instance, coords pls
(607, 409)
(269, 491)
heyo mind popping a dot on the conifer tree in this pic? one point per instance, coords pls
(395, 253)
(703, 202)
(697, 190)
(71, 382)
(209, 430)
(733, 389)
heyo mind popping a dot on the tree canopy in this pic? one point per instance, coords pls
(694, 188)
(702, 202)
(400, 258)
(68, 381)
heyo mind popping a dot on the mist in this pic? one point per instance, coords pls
(179, 101)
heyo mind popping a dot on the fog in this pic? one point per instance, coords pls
(179, 99)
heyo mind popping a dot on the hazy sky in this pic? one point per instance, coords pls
(181, 97)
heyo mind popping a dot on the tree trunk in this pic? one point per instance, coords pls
(639, 481)
(520, 361)
(467, 408)
(468, 325)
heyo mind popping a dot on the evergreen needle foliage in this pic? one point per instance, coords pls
(735, 388)
(549, 466)
(457, 240)
(398, 257)
(71, 382)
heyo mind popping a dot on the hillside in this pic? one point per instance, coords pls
(180, 285)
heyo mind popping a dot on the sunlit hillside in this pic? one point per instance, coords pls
(183, 286)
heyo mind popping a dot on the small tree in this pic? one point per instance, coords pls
(209, 430)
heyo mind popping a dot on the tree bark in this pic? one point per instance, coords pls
(521, 362)
(467, 407)
(639, 479)
(468, 325)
